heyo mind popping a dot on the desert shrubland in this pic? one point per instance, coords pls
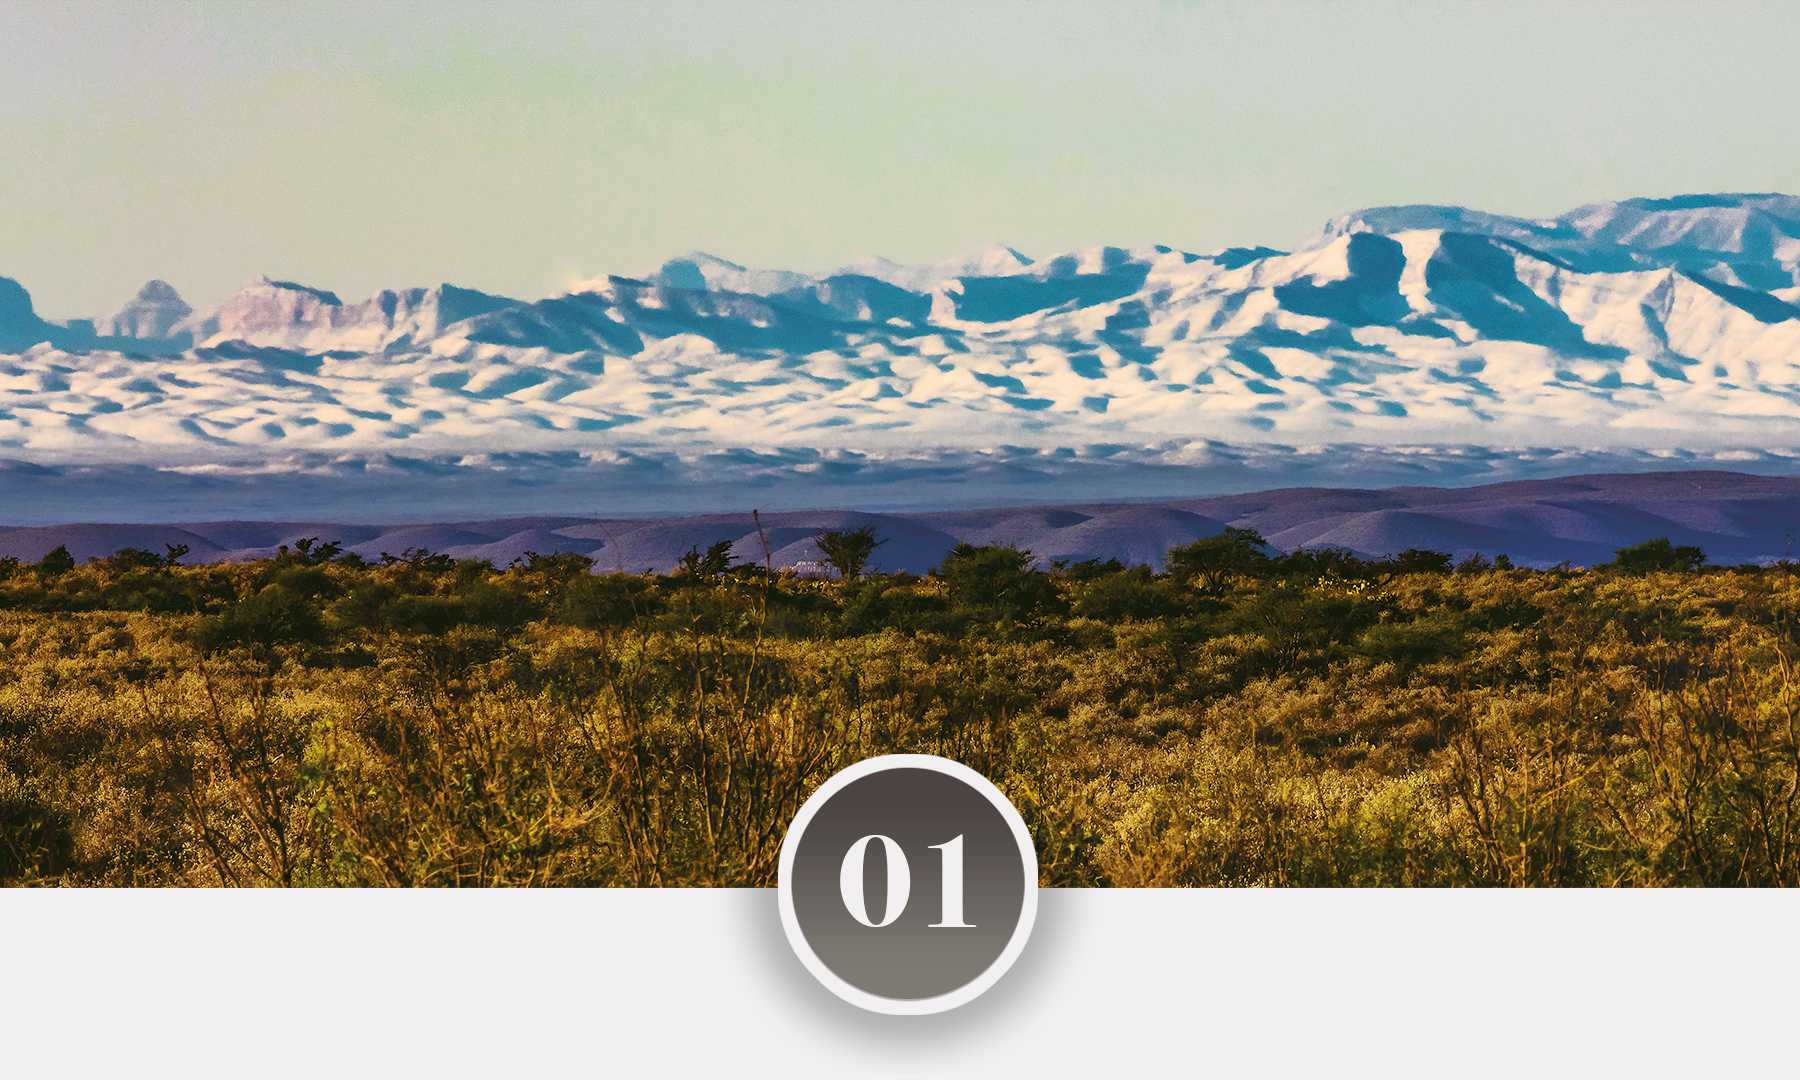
(1247, 719)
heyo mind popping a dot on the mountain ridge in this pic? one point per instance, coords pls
(1642, 323)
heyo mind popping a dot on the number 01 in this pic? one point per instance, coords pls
(899, 882)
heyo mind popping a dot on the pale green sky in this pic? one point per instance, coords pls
(520, 147)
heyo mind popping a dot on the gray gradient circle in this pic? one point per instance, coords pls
(921, 803)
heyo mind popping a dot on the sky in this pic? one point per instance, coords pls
(519, 148)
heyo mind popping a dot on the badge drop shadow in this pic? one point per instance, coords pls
(1019, 993)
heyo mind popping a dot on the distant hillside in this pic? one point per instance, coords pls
(1734, 517)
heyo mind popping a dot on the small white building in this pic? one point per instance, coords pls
(812, 570)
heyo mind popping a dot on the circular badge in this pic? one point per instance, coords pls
(908, 884)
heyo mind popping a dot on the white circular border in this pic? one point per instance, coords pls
(908, 1006)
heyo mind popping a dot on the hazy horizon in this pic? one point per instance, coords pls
(518, 149)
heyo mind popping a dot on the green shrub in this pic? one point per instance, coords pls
(1658, 554)
(998, 582)
(1214, 561)
(55, 564)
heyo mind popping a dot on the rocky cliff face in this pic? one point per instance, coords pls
(20, 326)
(281, 314)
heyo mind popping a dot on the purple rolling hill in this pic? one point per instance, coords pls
(1733, 517)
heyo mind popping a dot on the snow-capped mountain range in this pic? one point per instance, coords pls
(1648, 323)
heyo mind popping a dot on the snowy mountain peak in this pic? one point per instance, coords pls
(995, 260)
(699, 270)
(1729, 228)
(283, 314)
(1747, 240)
(1388, 220)
(152, 313)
